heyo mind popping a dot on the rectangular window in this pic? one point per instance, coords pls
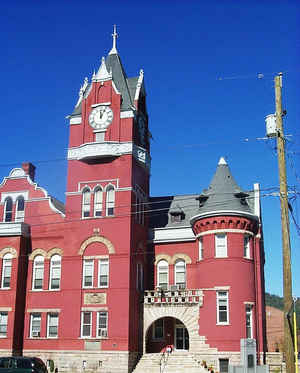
(247, 246)
(102, 324)
(3, 324)
(103, 269)
(88, 273)
(221, 245)
(158, 329)
(35, 325)
(52, 325)
(200, 248)
(249, 329)
(86, 324)
(223, 363)
(222, 307)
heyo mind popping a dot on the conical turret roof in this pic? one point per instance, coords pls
(223, 193)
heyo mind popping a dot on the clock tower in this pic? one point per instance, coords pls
(106, 198)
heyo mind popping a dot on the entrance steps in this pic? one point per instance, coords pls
(176, 362)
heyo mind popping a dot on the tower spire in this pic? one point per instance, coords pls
(114, 47)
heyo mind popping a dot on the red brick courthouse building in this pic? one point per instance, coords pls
(114, 273)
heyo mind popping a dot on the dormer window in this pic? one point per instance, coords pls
(177, 216)
(8, 209)
(20, 206)
(242, 196)
(202, 199)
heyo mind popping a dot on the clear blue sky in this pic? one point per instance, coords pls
(201, 61)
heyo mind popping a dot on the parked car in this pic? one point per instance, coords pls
(22, 364)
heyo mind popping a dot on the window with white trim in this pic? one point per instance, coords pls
(3, 323)
(180, 273)
(35, 325)
(163, 274)
(6, 271)
(102, 324)
(110, 200)
(20, 206)
(247, 246)
(8, 209)
(103, 273)
(223, 364)
(158, 329)
(86, 324)
(86, 202)
(38, 273)
(98, 202)
(249, 317)
(52, 325)
(222, 307)
(88, 273)
(221, 245)
(55, 272)
(200, 248)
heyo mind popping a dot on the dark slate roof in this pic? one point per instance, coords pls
(223, 193)
(126, 86)
(114, 64)
(162, 208)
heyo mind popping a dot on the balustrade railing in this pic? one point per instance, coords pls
(180, 296)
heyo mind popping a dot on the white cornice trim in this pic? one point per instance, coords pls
(179, 234)
(75, 120)
(79, 193)
(222, 213)
(109, 149)
(101, 104)
(127, 114)
(14, 229)
(214, 231)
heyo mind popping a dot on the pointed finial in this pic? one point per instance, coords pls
(222, 162)
(114, 47)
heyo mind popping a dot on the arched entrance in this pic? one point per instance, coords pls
(167, 331)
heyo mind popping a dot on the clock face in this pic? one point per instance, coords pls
(101, 117)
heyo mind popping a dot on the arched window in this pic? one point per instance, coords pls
(6, 271)
(163, 274)
(20, 206)
(55, 272)
(110, 200)
(38, 273)
(8, 208)
(86, 202)
(98, 201)
(180, 273)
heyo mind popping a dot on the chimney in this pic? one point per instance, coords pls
(29, 169)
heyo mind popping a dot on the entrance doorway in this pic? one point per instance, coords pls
(181, 336)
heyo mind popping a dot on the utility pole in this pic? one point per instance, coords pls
(285, 228)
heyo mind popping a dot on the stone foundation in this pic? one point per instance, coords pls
(88, 361)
